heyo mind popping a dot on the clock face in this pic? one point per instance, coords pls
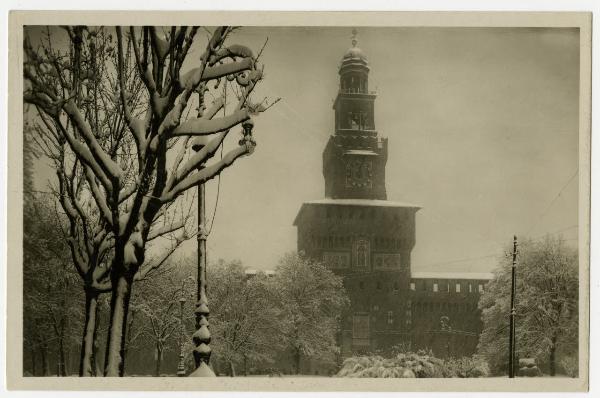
(359, 173)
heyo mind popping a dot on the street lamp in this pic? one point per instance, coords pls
(181, 366)
(201, 336)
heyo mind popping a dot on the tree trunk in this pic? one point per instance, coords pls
(62, 364)
(245, 365)
(231, 369)
(553, 356)
(96, 363)
(44, 357)
(33, 358)
(114, 365)
(87, 360)
(159, 354)
(95, 357)
(68, 360)
(297, 357)
(128, 333)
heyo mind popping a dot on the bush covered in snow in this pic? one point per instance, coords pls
(466, 367)
(421, 364)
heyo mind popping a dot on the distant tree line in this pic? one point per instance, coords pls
(263, 324)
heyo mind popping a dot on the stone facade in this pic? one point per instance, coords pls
(368, 240)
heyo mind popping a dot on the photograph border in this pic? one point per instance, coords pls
(14, 361)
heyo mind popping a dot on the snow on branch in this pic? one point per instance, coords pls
(198, 159)
(197, 75)
(110, 167)
(208, 173)
(202, 126)
(136, 126)
(157, 262)
(98, 196)
(84, 154)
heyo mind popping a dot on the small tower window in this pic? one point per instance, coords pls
(470, 288)
(480, 288)
(435, 287)
(413, 287)
(458, 288)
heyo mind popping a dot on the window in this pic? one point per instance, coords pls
(390, 317)
(448, 287)
(361, 252)
(470, 288)
(413, 286)
(435, 287)
(458, 288)
(480, 288)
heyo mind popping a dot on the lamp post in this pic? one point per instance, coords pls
(511, 336)
(181, 366)
(201, 336)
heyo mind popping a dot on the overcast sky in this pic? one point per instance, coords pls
(482, 126)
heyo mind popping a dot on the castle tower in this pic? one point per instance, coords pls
(355, 230)
(355, 157)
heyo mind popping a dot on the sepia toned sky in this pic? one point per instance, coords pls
(482, 126)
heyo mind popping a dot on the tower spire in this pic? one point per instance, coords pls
(354, 37)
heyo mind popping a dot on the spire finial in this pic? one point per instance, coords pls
(354, 40)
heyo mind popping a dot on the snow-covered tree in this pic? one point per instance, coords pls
(311, 299)
(131, 196)
(160, 312)
(546, 306)
(86, 233)
(244, 323)
(50, 294)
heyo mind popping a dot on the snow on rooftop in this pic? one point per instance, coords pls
(452, 275)
(254, 272)
(365, 152)
(361, 202)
